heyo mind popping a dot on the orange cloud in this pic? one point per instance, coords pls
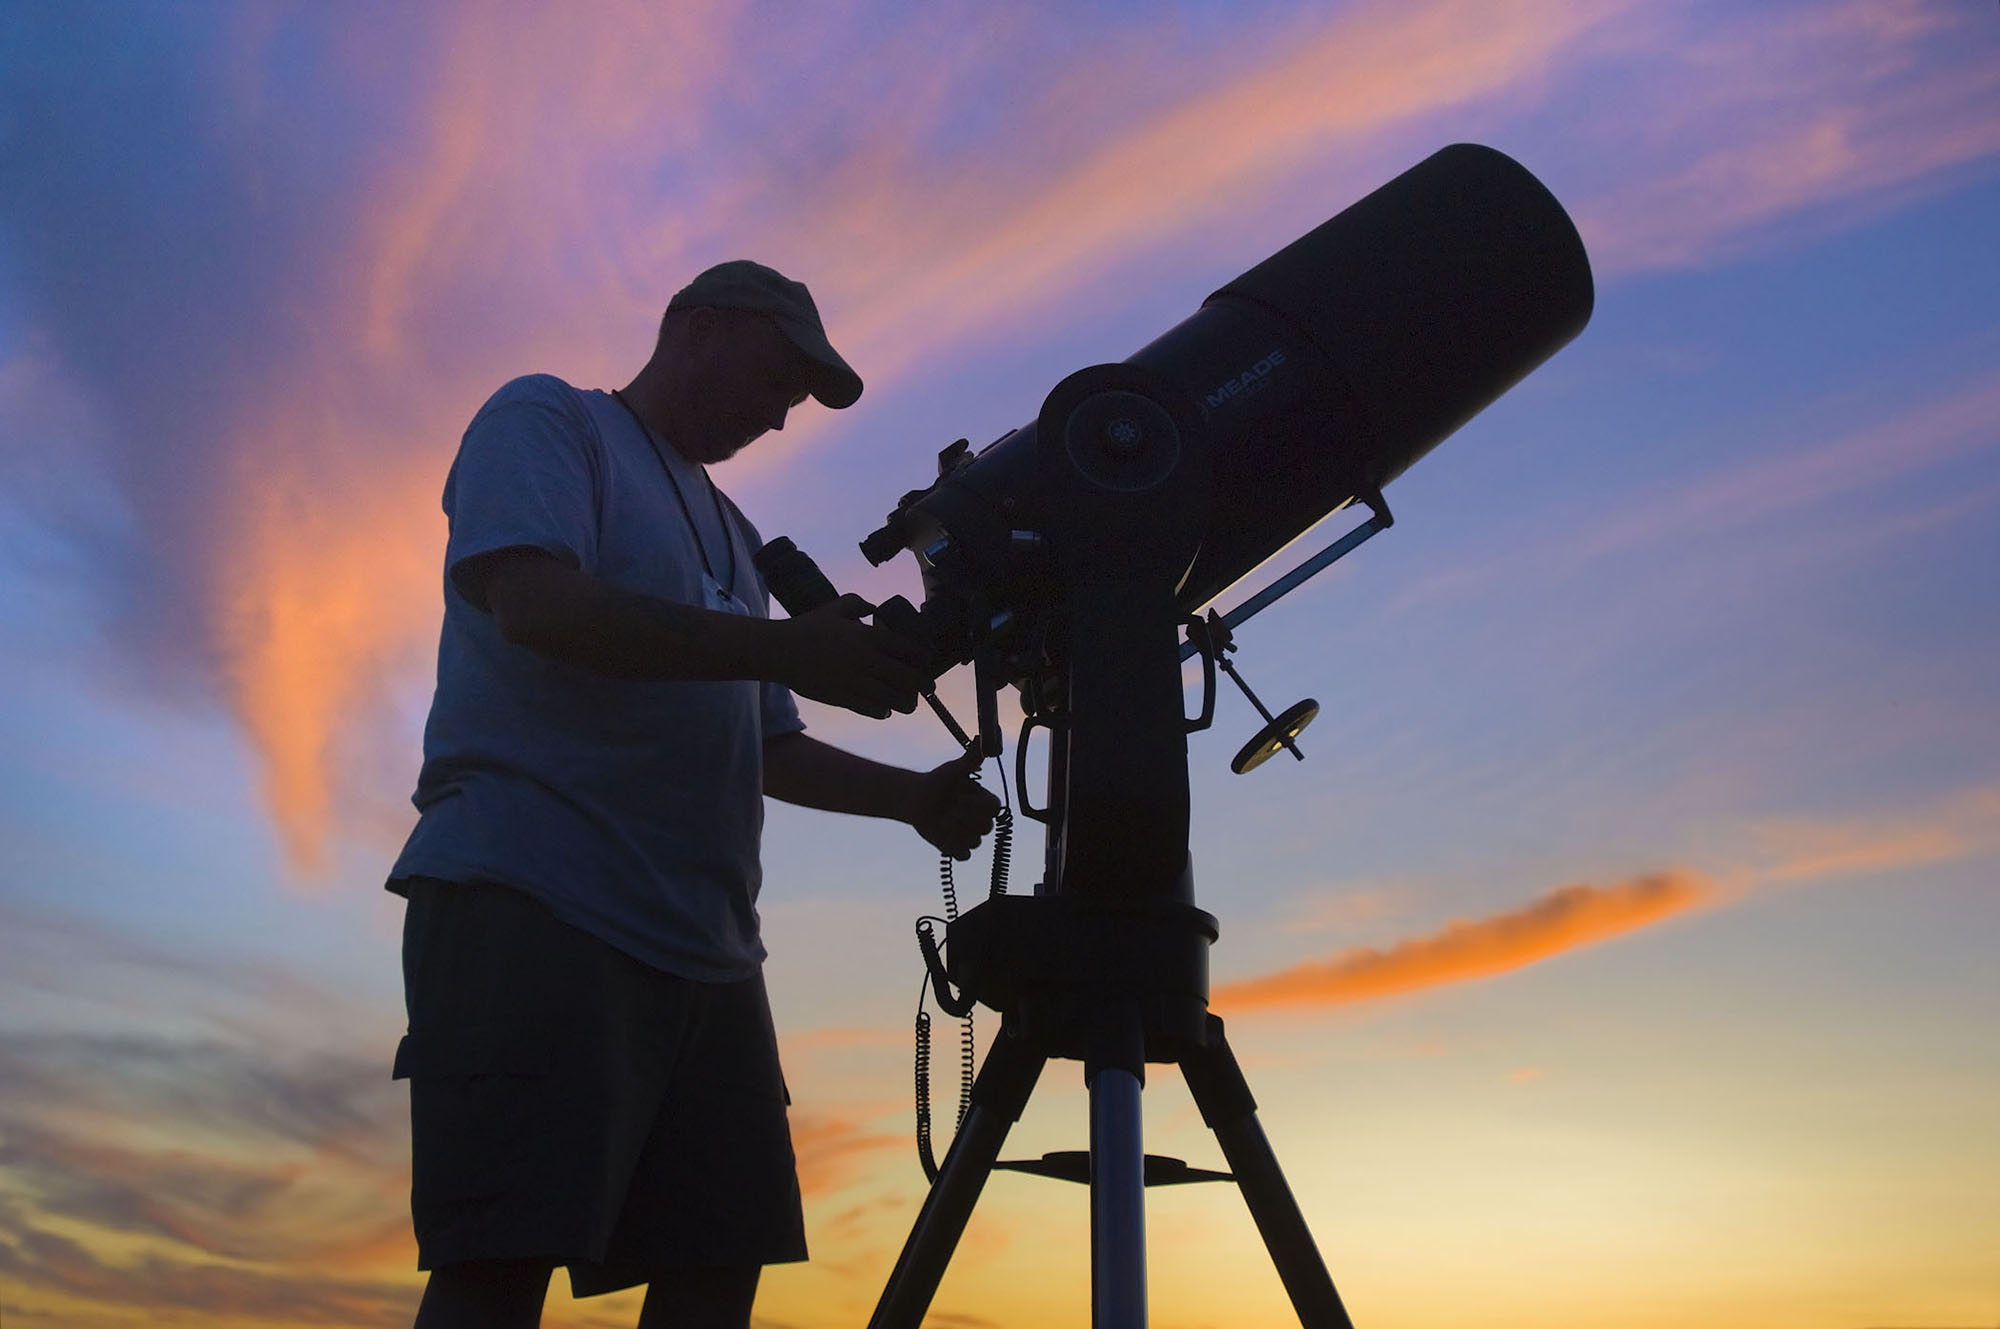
(832, 1150)
(326, 584)
(1963, 826)
(324, 576)
(1561, 920)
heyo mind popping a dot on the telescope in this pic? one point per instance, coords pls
(1070, 559)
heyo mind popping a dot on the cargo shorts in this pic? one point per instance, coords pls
(570, 1103)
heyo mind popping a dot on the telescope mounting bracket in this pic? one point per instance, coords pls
(1380, 520)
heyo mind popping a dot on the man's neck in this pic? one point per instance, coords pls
(645, 400)
(648, 399)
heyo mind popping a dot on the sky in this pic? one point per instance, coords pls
(1620, 955)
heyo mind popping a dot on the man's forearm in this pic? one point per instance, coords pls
(827, 654)
(800, 769)
(576, 619)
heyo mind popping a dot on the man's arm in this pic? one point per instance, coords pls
(943, 805)
(542, 603)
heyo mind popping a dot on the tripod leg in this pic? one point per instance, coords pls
(1116, 1071)
(1223, 1096)
(998, 1097)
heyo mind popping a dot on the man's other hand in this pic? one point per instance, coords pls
(949, 809)
(831, 656)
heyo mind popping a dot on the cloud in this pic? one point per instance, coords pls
(153, 1177)
(214, 1165)
(1960, 827)
(1934, 433)
(269, 285)
(1912, 439)
(186, 1136)
(1058, 199)
(832, 1151)
(1786, 114)
(1561, 920)
(242, 1152)
(94, 976)
(280, 290)
(176, 1291)
(1800, 851)
(330, 596)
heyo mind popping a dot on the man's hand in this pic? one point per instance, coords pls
(951, 811)
(829, 655)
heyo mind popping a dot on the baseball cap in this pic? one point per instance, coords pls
(741, 284)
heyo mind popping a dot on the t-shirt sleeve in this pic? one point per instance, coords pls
(526, 479)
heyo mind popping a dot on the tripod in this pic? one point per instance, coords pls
(1107, 963)
(1114, 987)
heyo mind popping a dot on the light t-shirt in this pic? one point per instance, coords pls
(631, 809)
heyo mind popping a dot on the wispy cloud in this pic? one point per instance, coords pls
(281, 290)
(1562, 920)
(190, 1136)
(1962, 422)
(1800, 851)
(1568, 918)
(158, 1289)
(832, 1151)
(216, 1180)
(1756, 116)
(1057, 199)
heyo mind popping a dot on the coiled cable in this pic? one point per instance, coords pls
(968, 1048)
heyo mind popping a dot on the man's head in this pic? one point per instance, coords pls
(740, 346)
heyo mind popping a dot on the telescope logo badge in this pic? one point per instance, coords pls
(1246, 382)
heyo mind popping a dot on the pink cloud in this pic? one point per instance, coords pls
(551, 180)
(1783, 112)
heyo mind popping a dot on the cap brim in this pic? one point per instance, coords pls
(835, 384)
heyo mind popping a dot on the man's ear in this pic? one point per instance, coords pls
(687, 329)
(701, 321)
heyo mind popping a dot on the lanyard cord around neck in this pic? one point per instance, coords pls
(722, 521)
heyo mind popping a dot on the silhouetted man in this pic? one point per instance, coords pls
(593, 1071)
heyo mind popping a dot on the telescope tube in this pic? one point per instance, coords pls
(1327, 370)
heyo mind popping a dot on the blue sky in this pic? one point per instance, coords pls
(1707, 601)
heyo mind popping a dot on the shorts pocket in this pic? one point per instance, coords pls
(481, 1114)
(488, 1049)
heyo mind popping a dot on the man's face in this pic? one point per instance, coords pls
(746, 377)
